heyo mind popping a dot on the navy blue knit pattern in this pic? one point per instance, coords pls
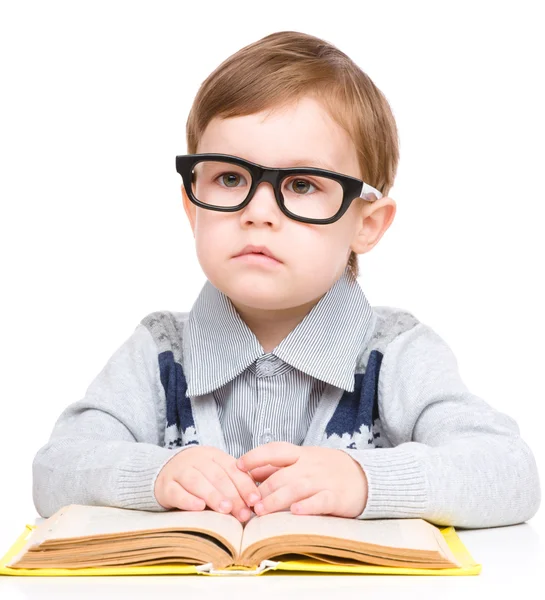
(358, 409)
(178, 408)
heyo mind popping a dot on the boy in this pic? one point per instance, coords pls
(282, 388)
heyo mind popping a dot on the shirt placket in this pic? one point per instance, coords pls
(264, 432)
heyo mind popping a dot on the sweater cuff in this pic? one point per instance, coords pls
(397, 486)
(137, 475)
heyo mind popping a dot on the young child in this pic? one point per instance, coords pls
(282, 388)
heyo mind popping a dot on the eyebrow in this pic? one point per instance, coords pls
(311, 162)
(302, 162)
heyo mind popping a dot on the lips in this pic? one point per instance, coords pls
(250, 249)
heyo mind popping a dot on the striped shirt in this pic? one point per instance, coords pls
(262, 397)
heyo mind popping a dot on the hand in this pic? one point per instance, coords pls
(205, 475)
(310, 480)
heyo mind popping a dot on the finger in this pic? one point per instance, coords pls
(216, 475)
(262, 473)
(277, 454)
(283, 497)
(321, 503)
(178, 497)
(281, 477)
(194, 482)
(244, 482)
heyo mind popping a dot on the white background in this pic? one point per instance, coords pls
(94, 100)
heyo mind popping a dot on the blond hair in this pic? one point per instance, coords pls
(287, 65)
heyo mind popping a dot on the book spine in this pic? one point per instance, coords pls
(266, 565)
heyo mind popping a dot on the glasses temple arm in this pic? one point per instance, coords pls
(368, 189)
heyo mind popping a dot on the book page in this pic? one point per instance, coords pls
(78, 520)
(414, 534)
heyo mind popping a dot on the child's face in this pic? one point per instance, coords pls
(313, 256)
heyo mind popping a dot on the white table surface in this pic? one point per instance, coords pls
(512, 559)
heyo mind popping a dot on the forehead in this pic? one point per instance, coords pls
(298, 134)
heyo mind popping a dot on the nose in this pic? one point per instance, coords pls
(263, 196)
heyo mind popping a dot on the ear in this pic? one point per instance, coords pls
(190, 209)
(374, 220)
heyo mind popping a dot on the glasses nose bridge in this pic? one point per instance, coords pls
(267, 175)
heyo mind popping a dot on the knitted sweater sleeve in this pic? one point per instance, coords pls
(106, 449)
(455, 460)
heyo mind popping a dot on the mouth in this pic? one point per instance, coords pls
(256, 258)
(257, 253)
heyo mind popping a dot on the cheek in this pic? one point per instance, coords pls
(210, 226)
(211, 238)
(326, 243)
(319, 254)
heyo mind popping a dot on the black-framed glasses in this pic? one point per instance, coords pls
(227, 183)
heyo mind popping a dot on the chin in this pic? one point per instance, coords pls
(256, 296)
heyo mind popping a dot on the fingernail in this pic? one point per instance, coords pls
(240, 464)
(225, 505)
(253, 498)
(258, 508)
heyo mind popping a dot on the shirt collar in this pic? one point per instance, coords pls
(218, 345)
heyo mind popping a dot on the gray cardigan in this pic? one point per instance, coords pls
(373, 382)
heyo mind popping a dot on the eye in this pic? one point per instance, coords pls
(301, 186)
(230, 179)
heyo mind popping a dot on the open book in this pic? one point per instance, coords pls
(78, 537)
